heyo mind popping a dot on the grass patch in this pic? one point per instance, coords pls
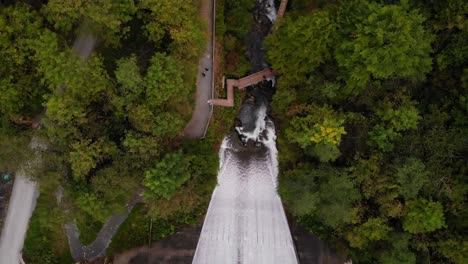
(223, 121)
(46, 241)
(89, 228)
(238, 20)
(132, 233)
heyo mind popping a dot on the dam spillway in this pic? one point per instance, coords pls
(245, 222)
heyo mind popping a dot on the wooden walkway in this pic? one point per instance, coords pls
(282, 8)
(248, 80)
(241, 84)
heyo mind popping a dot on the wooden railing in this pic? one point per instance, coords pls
(282, 8)
(248, 80)
(241, 84)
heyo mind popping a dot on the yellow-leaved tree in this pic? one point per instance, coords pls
(317, 130)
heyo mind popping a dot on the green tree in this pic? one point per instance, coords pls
(189, 200)
(324, 192)
(405, 122)
(129, 77)
(382, 137)
(179, 19)
(13, 145)
(337, 196)
(168, 125)
(377, 185)
(386, 41)
(411, 175)
(454, 250)
(393, 119)
(85, 156)
(64, 117)
(78, 106)
(152, 102)
(141, 117)
(423, 216)
(105, 18)
(141, 148)
(184, 200)
(168, 175)
(324, 152)
(282, 99)
(455, 53)
(374, 229)
(20, 90)
(314, 129)
(238, 17)
(298, 189)
(300, 45)
(115, 186)
(398, 251)
(163, 82)
(90, 204)
(400, 117)
(318, 130)
(162, 125)
(83, 80)
(448, 15)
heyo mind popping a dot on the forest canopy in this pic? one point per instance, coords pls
(110, 121)
(371, 108)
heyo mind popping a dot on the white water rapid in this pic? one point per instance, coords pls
(245, 222)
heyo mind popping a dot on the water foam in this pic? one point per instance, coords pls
(260, 124)
(270, 10)
(245, 222)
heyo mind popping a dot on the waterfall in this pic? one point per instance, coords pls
(245, 222)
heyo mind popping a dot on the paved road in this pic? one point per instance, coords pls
(195, 129)
(25, 192)
(84, 45)
(99, 246)
(22, 203)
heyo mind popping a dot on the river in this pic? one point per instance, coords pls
(245, 222)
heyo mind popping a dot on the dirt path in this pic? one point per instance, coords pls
(197, 126)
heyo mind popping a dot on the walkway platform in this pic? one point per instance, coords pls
(241, 84)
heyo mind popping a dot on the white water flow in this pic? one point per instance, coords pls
(245, 222)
